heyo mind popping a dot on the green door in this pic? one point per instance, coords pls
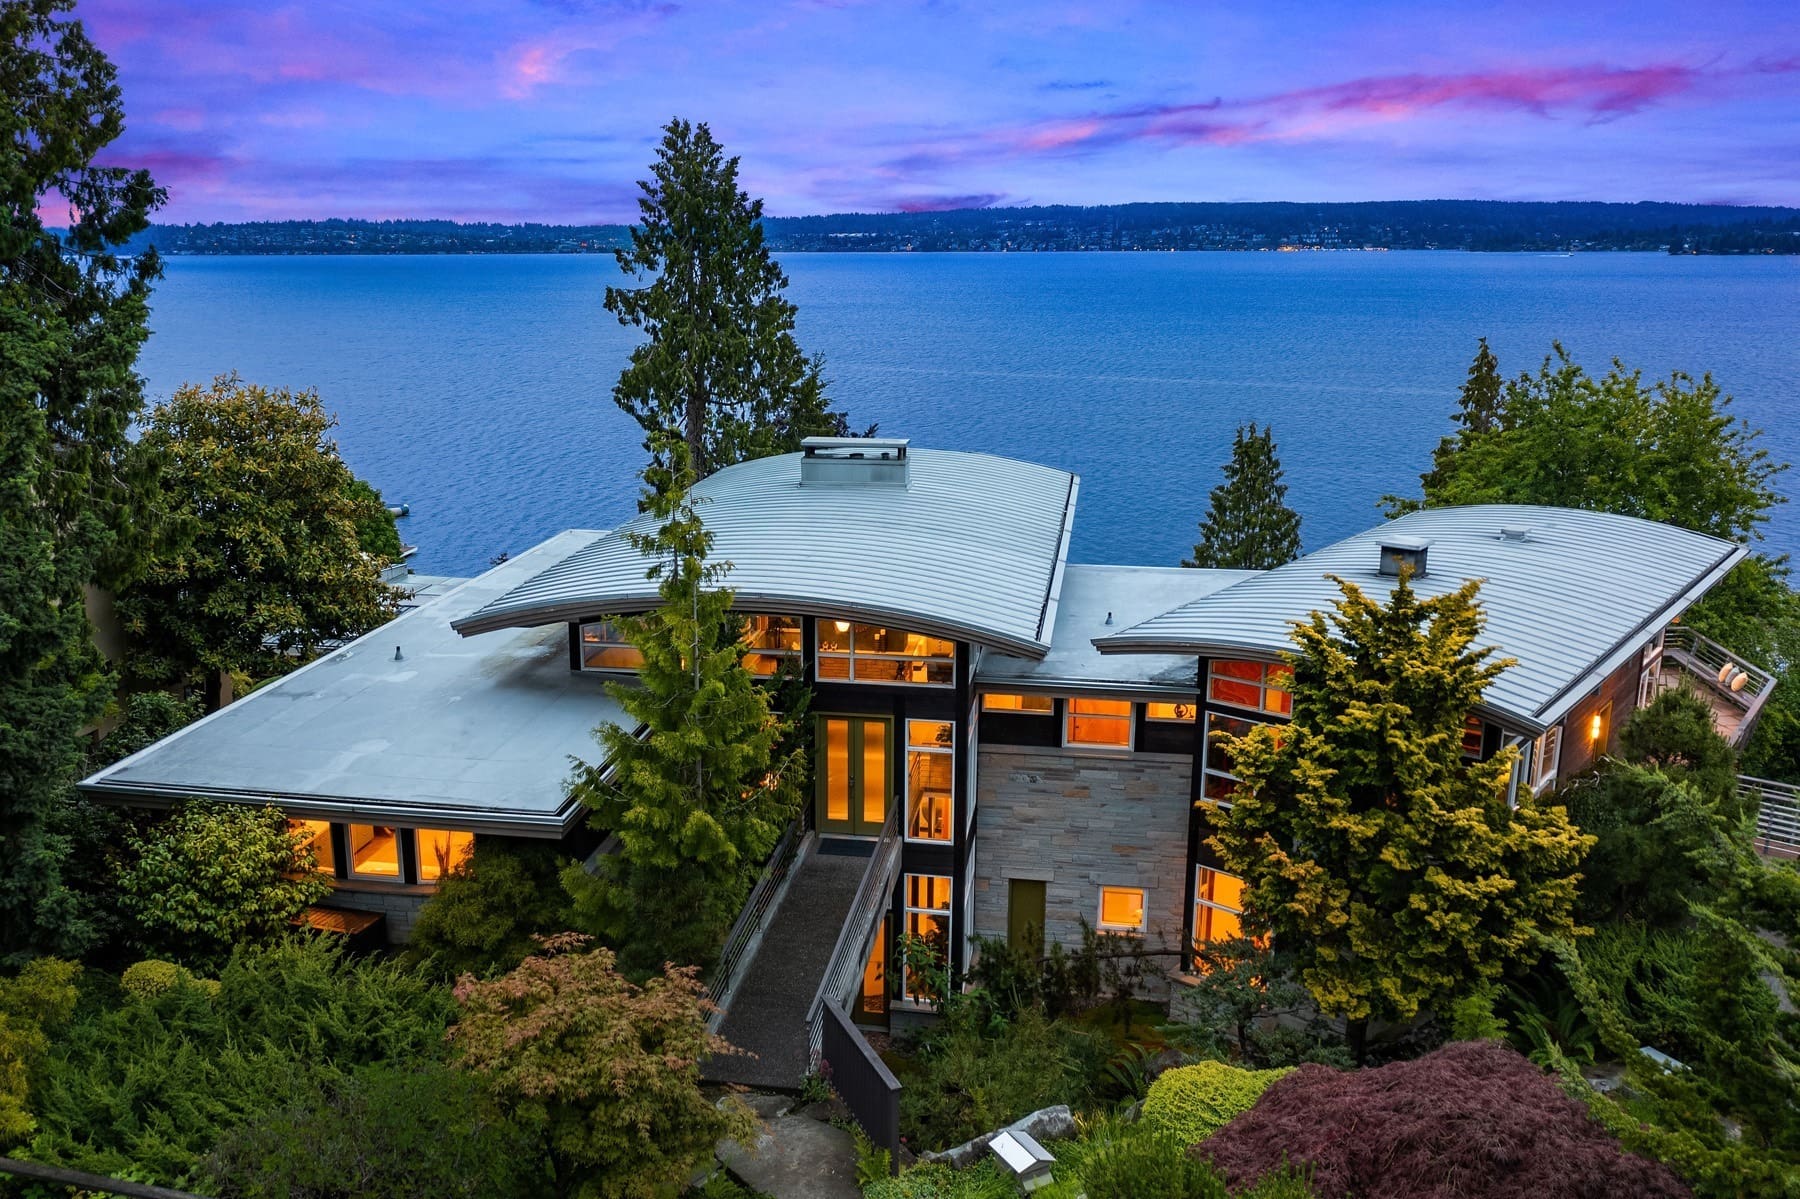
(854, 755)
(1025, 915)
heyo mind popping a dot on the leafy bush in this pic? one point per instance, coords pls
(487, 909)
(145, 1089)
(214, 876)
(146, 717)
(383, 1133)
(934, 1180)
(33, 1005)
(603, 1072)
(1472, 1118)
(1190, 1103)
(1150, 1162)
(972, 1078)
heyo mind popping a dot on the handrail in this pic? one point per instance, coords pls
(747, 929)
(1726, 675)
(862, 1080)
(1777, 815)
(93, 1184)
(851, 951)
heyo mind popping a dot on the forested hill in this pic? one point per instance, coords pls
(1489, 225)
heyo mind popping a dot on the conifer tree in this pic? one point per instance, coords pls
(1248, 525)
(700, 799)
(72, 318)
(1391, 868)
(720, 367)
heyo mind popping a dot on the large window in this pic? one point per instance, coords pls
(318, 834)
(1218, 773)
(927, 920)
(1122, 910)
(866, 653)
(771, 643)
(1259, 686)
(1028, 705)
(1103, 723)
(603, 647)
(375, 851)
(930, 780)
(1218, 905)
(442, 850)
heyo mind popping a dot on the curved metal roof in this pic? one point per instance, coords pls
(1570, 599)
(971, 548)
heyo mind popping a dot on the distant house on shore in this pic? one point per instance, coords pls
(1017, 744)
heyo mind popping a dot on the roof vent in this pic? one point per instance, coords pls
(1398, 554)
(853, 462)
(1515, 532)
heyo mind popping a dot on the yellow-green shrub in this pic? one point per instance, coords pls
(1192, 1102)
(152, 977)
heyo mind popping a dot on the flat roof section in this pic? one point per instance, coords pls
(970, 548)
(456, 733)
(1570, 594)
(1127, 594)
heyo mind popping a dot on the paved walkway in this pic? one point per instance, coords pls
(767, 1017)
(793, 1156)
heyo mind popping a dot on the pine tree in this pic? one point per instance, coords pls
(700, 799)
(72, 318)
(1392, 868)
(720, 367)
(1480, 410)
(1248, 525)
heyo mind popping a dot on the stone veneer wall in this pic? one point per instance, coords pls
(401, 907)
(1077, 822)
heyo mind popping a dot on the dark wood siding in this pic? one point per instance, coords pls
(1620, 689)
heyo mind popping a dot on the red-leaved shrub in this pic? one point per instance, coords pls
(1472, 1120)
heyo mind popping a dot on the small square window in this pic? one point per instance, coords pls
(1181, 713)
(1103, 723)
(1121, 910)
(375, 851)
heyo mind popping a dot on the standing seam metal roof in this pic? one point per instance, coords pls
(969, 549)
(1570, 601)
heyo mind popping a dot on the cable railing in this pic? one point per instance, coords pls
(1777, 815)
(1742, 687)
(746, 932)
(855, 939)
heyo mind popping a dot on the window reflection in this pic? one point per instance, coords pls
(441, 851)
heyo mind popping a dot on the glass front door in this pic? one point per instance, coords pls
(855, 771)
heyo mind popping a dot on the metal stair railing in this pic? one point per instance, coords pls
(856, 938)
(746, 932)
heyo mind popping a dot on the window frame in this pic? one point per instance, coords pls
(1102, 924)
(1129, 717)
(1262, 685)
(1546, 744)
(1212, 905)
(322, 830)
(937, 749)
(907, 912)
(419, 852)
(1208, 768)
(849, 656)
(581, 646)
(780, 659)
(1022, 697)
(1192, 717)
(400, 836)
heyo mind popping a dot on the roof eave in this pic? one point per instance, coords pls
(585, 607)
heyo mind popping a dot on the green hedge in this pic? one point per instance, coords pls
(1191, 1103)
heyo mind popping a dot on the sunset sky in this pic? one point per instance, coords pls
(547, 109)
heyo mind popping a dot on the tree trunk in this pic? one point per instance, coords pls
(1357, 1033)
(696, 432)
(217, 691)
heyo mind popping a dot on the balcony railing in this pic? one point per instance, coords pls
(1735, 689)
(1777, 815)
(851, 953)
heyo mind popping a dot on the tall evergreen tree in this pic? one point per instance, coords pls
(720, 368)
(1248, 525)
(699, 800)
(72, 318)
(1393, 869)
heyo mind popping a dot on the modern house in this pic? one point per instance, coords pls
(1016, 743)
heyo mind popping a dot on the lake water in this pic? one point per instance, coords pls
(478, 389)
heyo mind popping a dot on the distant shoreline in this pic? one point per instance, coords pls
(1492, 226)
(516, 253)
